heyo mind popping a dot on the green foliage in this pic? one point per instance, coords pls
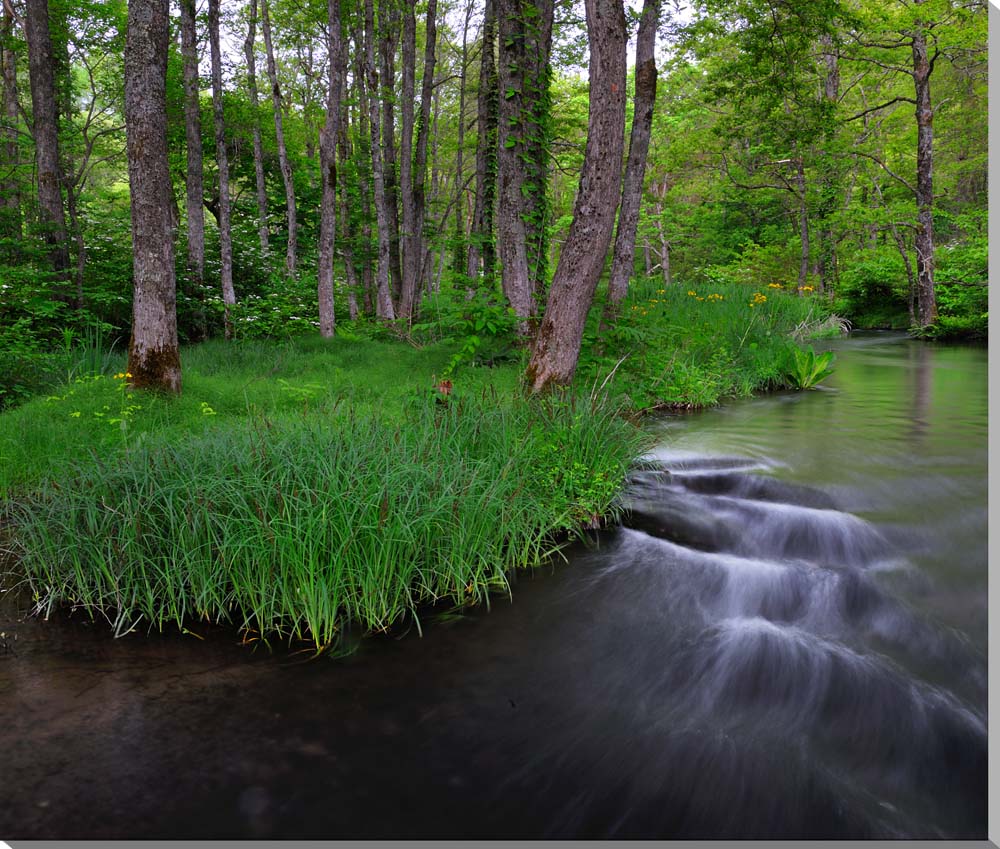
(805, 368)
(484, 329)
(692, 346)
(873, 289)
(295, 527)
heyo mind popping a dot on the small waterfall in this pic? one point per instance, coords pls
(776, 624)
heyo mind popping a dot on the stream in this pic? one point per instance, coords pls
(787, 639)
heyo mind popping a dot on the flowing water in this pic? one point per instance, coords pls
(788, 639)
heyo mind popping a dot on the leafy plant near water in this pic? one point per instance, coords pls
(295, 526)
(806, 368)
(691, 345)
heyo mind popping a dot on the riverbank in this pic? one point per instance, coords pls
(299, 485)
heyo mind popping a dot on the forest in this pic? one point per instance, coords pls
(399, 226)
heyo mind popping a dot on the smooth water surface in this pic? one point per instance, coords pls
(788, 640)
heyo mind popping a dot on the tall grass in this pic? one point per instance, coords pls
(692, 345)
(296, 525)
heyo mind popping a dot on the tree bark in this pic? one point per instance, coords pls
(414, 208)
(195, 182)
(388, 22)
(45, 117)
(512, 156)
(537, 84)
(10, 190)
(384, 307)
(291, 254)
(459, 257)
(923, 65)
(623, 260)
(481, 244)
(258, 147)
(222, 157)
(407, 96)
(557, 347)
(328, 168)
(368, 285)
(153, 357)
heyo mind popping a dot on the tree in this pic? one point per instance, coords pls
(635, 168)
(45, 117)
(525, 44)
(384, 305)
(222, 159)
(481, 241)
(291, 254)
(195, 181)
(153, 357)
(328, 168)
(412, 179)
(10, 189)
(258, 147)
(557, 347)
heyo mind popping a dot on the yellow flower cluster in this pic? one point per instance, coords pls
(758, 298)
(715, 296)
(775, 286)
(807, 289)
(123, 375)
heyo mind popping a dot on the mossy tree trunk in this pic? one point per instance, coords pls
(556, 349)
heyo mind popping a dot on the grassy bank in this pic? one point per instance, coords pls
(295, 526)
(691, 346)
(297, 486)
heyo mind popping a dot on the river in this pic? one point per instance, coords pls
(788, 640)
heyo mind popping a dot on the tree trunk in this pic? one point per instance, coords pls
(924, 240)
(258, 147)
(414, 207)
(45, 117)
(388, 13)
(512, 233)
(195, 182)
(623, 261)
(291, 254)
(10, 190)
(153, 357)
(460, 257)
(384, 308)
(328, 169)
(408, 57)
(368, 286)
(225, 228)
(557, 346)
(481, 244)
(537, 132)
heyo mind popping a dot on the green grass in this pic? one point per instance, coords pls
(226, 382)
(691, 346)
(296, 525)
(299, 486)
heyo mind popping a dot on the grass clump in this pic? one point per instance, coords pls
(688, 346)
(295, 525)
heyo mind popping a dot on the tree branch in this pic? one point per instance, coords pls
(881, 106)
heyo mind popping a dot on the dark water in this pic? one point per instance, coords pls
(788, 641)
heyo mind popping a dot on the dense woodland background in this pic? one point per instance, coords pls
(832, 148)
